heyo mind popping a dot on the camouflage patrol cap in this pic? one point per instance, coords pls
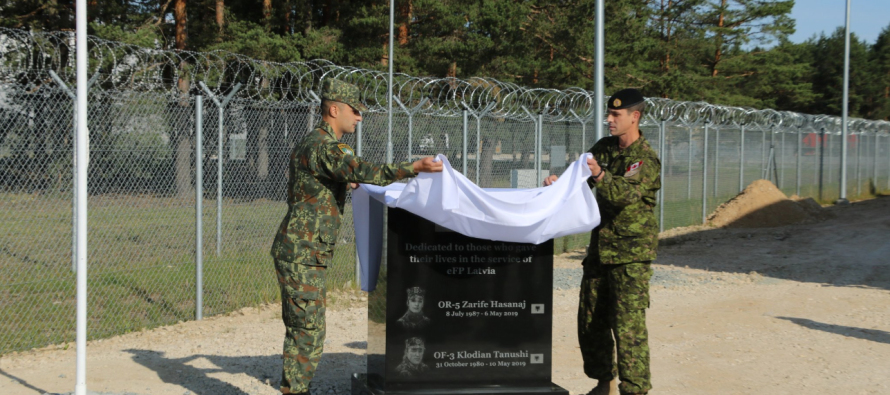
(414, 342)
(625, 98)
(343, 92)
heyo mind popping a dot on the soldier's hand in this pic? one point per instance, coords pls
(593, 165)
(550, 180)
(353, 185)
(427, 165)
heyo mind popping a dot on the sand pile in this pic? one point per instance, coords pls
(762, 205)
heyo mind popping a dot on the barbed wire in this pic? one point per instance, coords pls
(26, 57)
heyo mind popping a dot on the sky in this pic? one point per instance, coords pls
(867, 18)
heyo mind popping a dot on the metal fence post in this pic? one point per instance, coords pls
(478, 116)
(830, 159)
(799, 140)
(689, 168)
(410, 130)
(664, 163)
(716, 161)
(875, 176)
(410, 113)
(220, 111)
(535, 144)
(817, 160)
(858, 162)
(763, 165)
(583, 122)
(704, 178)
(464, 157)
(771, 159)
(822, 143)
(358, 152)
(478, 145)
(73, 98)
(199, 209)
(539, 149)
(742, 161)
(780, 162)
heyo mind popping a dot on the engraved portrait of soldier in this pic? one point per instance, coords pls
(414, 318)
(412, 361)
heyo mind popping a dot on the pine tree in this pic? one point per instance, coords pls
(880, 57)
(828, 74)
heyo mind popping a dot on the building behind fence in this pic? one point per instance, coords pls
(144, 160)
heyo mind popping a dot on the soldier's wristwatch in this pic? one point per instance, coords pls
(598, 175)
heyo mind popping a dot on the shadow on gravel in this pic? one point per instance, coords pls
(849, 331)
(265, 369)
(840, 246)
(180, 371)
(357, 345)
(22, 382)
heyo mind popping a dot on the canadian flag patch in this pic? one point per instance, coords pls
(633, 169)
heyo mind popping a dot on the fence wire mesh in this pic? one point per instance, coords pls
(144, 157)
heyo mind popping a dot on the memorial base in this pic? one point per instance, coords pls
(363, 384)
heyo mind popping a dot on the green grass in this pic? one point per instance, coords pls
(141, 265)
(142, 256)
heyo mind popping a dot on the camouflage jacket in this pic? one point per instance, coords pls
(626, 198)
(320, 169)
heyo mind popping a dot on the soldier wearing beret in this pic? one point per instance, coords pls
(615, 288)
(321, 169)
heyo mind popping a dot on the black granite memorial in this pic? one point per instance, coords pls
(453, 314)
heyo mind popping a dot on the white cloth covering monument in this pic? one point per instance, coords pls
(463, 304)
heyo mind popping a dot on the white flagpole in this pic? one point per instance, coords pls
(389, 61)
(599, 69)
(82, 161)
(845, 108)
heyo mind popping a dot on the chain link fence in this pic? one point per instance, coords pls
(145, 158)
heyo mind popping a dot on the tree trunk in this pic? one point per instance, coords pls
(719, 41)
(181, 19)
(326, 13)
(287, 19)
(181, 138)
(406, 9)
(384, 59)
(307, 18)
(220, 19)
(267, 15)
(667, 37)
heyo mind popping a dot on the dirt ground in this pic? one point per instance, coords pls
(794, 309)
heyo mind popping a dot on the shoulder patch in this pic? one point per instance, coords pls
(346, 149)
(633, 169)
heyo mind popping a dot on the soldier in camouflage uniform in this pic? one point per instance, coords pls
(615, 287)
(320, 171)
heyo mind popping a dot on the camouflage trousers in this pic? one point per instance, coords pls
(302, 310)
(613, 301)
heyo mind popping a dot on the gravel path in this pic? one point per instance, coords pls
(787, 310)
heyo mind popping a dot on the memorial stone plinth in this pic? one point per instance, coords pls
(453, 314)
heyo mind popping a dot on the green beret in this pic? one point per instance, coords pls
(344, 92)
(625, 98)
